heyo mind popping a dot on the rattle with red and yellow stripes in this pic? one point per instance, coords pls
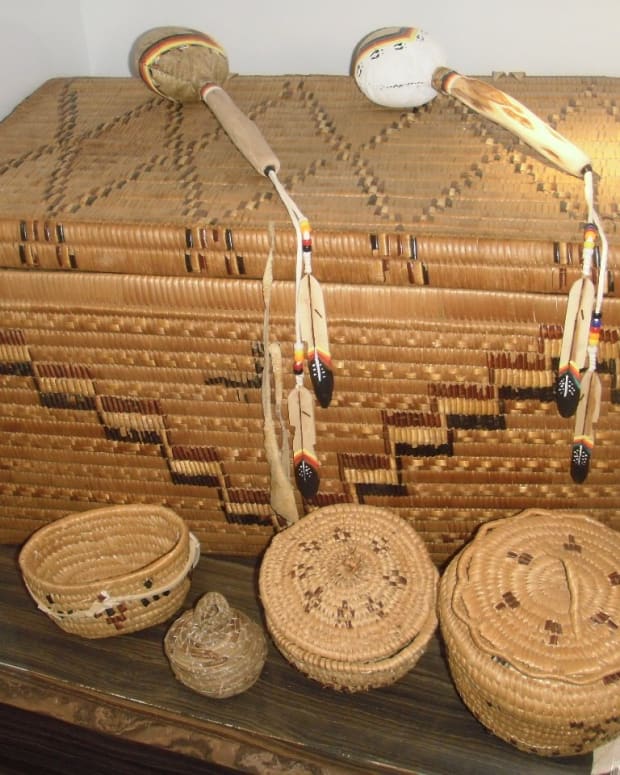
(185, 65)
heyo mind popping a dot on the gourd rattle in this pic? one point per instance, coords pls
(184, 65)
(403, 67)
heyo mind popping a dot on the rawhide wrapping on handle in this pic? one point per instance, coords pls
(242, 130)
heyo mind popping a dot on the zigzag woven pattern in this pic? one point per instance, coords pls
(133, 237)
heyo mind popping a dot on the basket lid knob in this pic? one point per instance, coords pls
(211, 613)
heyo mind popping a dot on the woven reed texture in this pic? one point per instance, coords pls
(102, 175)
(215, 649)
(349, 596)
(133, 238)
(529, 613)
(448, 419)
(110, 571)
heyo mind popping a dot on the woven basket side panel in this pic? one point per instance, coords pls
(109, 571)
(350, 677)
(219, 656)
(349, 595)
(117, 549)
(443, 411)
(130, 617)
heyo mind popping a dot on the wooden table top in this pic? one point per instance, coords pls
(285, 723)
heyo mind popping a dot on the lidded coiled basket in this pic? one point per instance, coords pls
(349, 595)
(530, 613)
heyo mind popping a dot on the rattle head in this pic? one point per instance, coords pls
(177, 62)
(394, 66)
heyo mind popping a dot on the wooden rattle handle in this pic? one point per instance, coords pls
(242, 130)
(512, 115)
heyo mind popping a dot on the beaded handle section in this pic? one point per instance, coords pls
(182, 65)
(402, 67)
(186, 65)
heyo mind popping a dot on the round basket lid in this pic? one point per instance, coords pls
(348, 582)
(541, 591)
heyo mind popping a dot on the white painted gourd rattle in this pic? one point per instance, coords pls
(403, 67)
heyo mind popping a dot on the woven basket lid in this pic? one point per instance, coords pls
(541, 591)
(348, 582)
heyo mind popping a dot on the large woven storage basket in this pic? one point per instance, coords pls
(133, 241)
(530, 612)
(349, 595)
(110, 571)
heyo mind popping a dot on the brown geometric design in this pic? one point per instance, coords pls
(508, 600)
(115, 616)
(363, 475)
(133, 241)
(419, 434)
(131, 419)
(195, 465)
(555, 630)
(134, 420)
(571, 545)
(64, 385)
(404, 179)
(14, 354)
(603, 618)
(522, 558)
(467, 406)
(247, 506)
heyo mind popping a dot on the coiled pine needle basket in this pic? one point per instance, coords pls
(112, 570)
(529, 611)
(215, 649)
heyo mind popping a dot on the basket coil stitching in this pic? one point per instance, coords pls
(104, 601)
(584, 589)
(216, 649)
(349, 596)
(528, 611)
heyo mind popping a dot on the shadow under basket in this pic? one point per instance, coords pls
(349, 593)
(110, 571)
(529, 611)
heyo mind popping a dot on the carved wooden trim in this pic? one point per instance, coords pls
(78, 706)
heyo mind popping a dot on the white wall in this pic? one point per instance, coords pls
(45, 38)
(39, 40)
